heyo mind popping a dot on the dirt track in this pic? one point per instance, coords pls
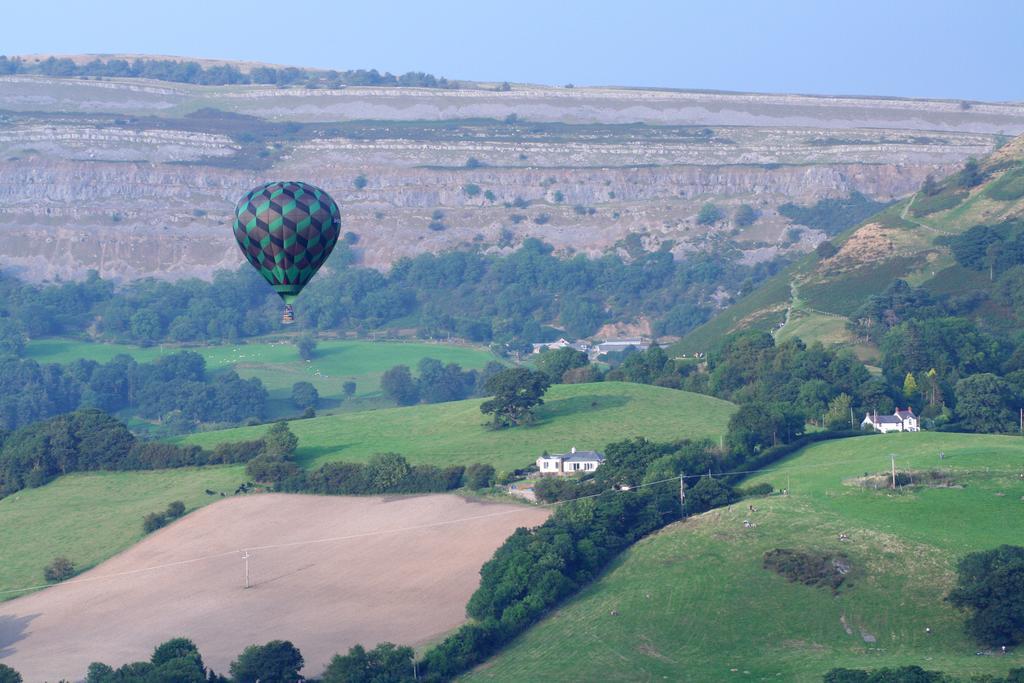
(406, 586)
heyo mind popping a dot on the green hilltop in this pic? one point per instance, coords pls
(909, 240)
(586, 416)
(693, 602)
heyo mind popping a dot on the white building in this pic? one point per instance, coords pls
(900, 421)
(573, 462)
(615, 345)
(561, 344)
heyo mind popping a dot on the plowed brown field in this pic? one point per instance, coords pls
(325, 573)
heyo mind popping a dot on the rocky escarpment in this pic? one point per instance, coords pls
(136, 178)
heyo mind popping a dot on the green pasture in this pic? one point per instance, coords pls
(693, 603)
(587, 416)
(279, 366)
(88, 517)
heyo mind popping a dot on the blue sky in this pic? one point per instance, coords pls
(936, 48)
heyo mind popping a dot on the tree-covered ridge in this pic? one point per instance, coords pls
(185, 71)
(478, 297)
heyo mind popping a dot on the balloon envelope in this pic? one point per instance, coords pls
(286, 230)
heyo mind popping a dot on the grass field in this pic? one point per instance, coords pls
(278, 365)
(693, 602)
(90, 516)
(581, 415)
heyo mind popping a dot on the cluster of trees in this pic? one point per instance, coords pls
(832, 216)
(174, 389)
(90, 439)
(436, 382)
(224, 74)
(479, 297)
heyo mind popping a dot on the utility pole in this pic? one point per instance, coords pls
(682, 492)
(892, 457)
(246, 558)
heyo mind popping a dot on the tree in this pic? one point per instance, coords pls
(991, 585)
(61, 569)
(306, 345)
(929, 187)
(385, 663)
(516, 392)
(706, 494)
(12, 337)
(278, 661)
(349, 388)
(154, 521)
(709, 213)
(479, 476)
(9, 675)
(983, 403)
(555, 363)
(970, 175)
(176, 648)
(745, 215)
(175, 509)
(398, 385)
(909, 386)
(839, 411)
(279, 440)
(471, 189)
(384, 471)
(826, 250)
(359, 182)
(305, 395)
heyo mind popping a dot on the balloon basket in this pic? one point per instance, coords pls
(288, 315)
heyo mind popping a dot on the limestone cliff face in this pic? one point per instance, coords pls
(114, 176)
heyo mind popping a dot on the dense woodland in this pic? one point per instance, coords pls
(175, 390)
(509, 300)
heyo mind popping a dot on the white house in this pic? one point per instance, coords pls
(900, 421)
(573, 462)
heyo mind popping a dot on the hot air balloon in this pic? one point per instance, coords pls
(286, 230)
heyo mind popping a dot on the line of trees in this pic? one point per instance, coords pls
(179, 71)
(435, 382)
(509, 300)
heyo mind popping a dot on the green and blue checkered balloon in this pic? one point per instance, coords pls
(286, 230)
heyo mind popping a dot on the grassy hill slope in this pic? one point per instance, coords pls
(90, 516)
(581, 415)
(693, 603)
(902, 241)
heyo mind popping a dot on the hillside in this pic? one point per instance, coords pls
(135, 177)
(587, 416)
(814, 298)
(403, 574)
(694, 603)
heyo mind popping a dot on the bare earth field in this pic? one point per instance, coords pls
(326, 573)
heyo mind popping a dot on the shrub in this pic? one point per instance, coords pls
(153, 521)
(236, 451)
(762, 489)
(61, 569)
(175, 509)
(709, 213)
(359, 182)
(471, 189)
(809, 567)
(479, 476)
